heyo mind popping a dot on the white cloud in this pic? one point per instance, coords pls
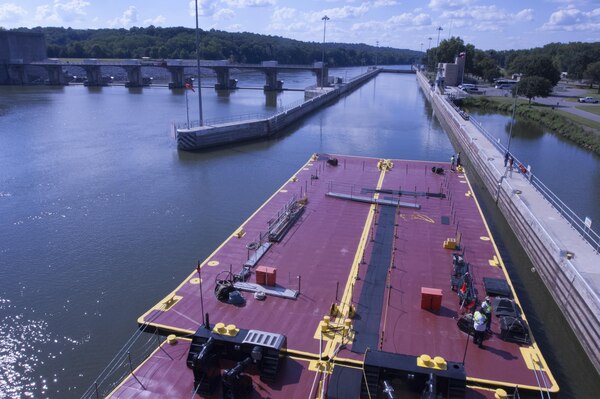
(384, 3)
(250, 3)
(340, 12)
(399, 23)
(525, 15)
(128, 19)
(448, 4)
(156, 21)
(60, 12)
(205, 7)
(283, 13)
(486, 18)
(224, 14)
(11, 12)
(233, 28)
(572, 19)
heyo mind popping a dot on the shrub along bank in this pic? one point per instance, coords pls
(561, 123)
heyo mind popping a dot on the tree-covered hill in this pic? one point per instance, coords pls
(179, 42)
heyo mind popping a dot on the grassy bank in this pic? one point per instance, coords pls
(583, 132)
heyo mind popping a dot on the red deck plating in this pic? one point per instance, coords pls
(326, 256)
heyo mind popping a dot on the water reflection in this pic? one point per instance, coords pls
(568, 170)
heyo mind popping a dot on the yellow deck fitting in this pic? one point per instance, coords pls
(468, 194)
(170, 302)
(229, 330)
(294, 179)
(530, 355)
(500, 394)
(240, 233)
(385, 165)
(494, 261)
(438, 362)
(351, 311)
(485, 238)
(320, 365)
(172, 339)
(334, 310)
(460, 169)
(195, 281)
(213, 263)
(450, 243)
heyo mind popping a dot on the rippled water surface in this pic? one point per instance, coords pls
(101, 216)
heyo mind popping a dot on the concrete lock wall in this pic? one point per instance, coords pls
(577, 299)
(222, 134)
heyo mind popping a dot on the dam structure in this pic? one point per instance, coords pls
(562, 247)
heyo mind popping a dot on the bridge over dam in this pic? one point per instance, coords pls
(55, 69)
(562, 247)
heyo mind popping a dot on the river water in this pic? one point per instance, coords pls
(101, 216)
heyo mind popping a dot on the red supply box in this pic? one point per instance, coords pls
(431, 298)
(266, 275)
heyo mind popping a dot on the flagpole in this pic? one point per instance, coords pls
(187, 108)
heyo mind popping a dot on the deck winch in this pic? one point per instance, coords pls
(223, 358)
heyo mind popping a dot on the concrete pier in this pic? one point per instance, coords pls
(568, 264)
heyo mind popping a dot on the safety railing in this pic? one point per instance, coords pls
(571, 216)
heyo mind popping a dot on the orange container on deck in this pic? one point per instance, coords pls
(266, 275)
(431, 298)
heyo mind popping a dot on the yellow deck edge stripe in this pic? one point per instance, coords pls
(516, 298)
(329, 348)
(552, 389)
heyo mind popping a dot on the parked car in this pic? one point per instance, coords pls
(471, 89)
(588, 100)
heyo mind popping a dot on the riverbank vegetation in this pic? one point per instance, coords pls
(582, 131)
(573, 59)
(180, 43)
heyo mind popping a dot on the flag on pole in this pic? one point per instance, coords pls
(189, 86)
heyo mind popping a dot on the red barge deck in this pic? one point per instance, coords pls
(355, 257)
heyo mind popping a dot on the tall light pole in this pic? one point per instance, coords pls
(376, 51)
(198, 68)
(428, 47)
(437, 52)
(325, 19)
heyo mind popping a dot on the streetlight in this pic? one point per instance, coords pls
(376, 51)
(325, 19)
(428, 47)
(437, 53)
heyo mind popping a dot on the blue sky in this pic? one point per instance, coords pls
(500, 25)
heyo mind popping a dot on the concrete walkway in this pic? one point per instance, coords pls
(567, 263)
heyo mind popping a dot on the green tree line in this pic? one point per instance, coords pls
(179, 42)
(540, 69)
(549, 61)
